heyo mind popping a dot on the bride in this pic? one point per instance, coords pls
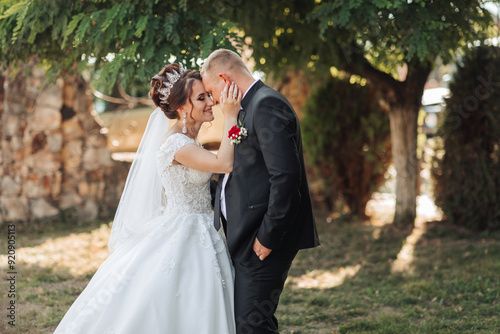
(169, 270)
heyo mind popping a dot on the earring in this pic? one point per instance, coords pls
(184, 129)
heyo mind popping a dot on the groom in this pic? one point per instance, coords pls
(264, 204)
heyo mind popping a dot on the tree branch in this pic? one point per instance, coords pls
(126, 99)
(356, 63)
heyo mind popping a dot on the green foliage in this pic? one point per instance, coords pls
(347, 139)
(467, 166)
(141, 36)
(342, 33)
(369, 38)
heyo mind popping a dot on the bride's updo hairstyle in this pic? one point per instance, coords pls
(179, 93)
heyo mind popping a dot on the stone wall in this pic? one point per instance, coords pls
(54, 158)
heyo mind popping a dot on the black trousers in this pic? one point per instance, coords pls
(258, 286)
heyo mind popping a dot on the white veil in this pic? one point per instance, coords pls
(143, 197)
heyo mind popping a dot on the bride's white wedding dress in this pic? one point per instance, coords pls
(175, 278)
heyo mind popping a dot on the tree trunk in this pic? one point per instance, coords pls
(403, 116)
(404, 151)
(404, 99)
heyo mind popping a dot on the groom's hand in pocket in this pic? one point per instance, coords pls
(261, 251)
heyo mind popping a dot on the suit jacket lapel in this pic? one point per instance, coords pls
(241, 116)
(248, 97)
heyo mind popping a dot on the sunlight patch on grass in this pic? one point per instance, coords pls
(426, 210)
(404, 261)
(78, 253)
(455, 287)
(324, 279)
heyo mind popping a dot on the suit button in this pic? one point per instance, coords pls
(251, 206)
(228, 195)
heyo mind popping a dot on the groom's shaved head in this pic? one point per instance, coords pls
(221, 68)
(223, 61)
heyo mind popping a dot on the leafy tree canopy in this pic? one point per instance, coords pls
(358, 34)
(130, 39)
(370, 38)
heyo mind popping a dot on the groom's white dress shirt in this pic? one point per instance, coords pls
(226, 176)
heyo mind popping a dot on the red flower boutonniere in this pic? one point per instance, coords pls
(237, 133)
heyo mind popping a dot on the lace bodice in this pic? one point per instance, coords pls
(187, 189)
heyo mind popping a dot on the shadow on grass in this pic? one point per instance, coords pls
(355, 257)
(31, 234)
(454, 286)
(43, 295)
(346, 242)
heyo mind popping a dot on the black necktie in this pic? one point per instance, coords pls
(217, 211)
(217, 202)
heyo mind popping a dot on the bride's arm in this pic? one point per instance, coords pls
(193, 156)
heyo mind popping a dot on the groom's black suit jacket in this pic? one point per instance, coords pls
(267, 195)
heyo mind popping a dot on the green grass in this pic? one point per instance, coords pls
(454, 287)
(43, 293)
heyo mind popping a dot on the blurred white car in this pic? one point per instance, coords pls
(433, 103)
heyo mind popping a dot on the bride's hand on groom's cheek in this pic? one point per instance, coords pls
(261, 251)
(230, 99)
